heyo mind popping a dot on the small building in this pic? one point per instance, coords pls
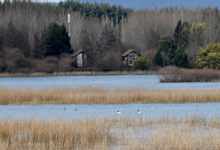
(128, 57)
(82, 58)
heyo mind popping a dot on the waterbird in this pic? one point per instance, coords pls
(139, 111)
(64, 108)
(118, 112)
(75, 109)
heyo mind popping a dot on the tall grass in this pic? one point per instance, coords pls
(76, 73)
(174, 74)
(188, 132)
(57, 134)
(100, 95)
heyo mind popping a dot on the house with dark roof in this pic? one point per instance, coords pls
(128, 57)
(81, 57)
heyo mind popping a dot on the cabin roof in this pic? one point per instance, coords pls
(77, 52)
(128, 52)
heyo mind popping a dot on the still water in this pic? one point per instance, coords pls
(122, 81)
(127, 110)
(108, 81)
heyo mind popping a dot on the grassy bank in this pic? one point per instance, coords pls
(189, 132)
(99, 95)
(76, 73)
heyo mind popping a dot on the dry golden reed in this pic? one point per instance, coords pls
(100, 95)
(188, 132)
(56, 134)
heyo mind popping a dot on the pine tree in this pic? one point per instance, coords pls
(56, 40)
(181, 59)
(181, 35)
(158, 60)
(167, 46)
(177, 34)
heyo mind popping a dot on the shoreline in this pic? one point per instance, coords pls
(78, 73)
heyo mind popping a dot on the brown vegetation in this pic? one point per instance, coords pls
(88, 95)
(174, 74)
(187, 132)
(57, 134)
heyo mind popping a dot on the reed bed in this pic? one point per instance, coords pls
(77, 73)
(57, 134)
(188, 132)
(100, 95)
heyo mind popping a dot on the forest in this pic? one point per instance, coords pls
(36, 37)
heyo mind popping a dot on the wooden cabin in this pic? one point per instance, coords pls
(82, 58)
(128, 57)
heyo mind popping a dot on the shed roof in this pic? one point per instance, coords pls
(77, 52)
(128, 52)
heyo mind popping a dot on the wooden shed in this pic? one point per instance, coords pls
(82, 58)
(128, 57)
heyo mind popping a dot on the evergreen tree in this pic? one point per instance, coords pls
(167, 46)
(158, 60)
(181, 35)
(64, 40)
(56, 40)
(181, 58)
(177, 34)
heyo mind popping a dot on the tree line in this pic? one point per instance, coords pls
(167, 36)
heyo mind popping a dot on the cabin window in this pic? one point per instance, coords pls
(79, 63)
(130, 62)
(84, 56)
(135, 55)
(130, 55)
(79, 56)
(84, 62)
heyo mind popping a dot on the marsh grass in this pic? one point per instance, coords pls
(187, 132)
(100, 95)
(57, 134)
(77, 73)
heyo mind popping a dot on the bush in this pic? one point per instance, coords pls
(73, 63)
(209, 58)
(141, 63)
(175, 74)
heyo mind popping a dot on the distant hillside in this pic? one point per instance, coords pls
(150, 4)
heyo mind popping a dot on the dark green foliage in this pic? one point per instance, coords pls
(181, 35)
(167, 46)
(56, 40)
(158, 60)
(73, 63)
(178, 30)
(141, 63)
(116, 13)
(181, 59)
